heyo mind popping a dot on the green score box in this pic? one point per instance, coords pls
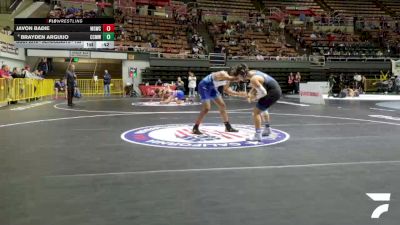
(108, 36)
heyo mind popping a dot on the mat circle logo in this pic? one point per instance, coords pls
(214, 137)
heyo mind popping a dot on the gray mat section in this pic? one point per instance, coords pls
(391, 105)
(35, 156)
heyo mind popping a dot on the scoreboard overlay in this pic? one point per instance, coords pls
(63, 33)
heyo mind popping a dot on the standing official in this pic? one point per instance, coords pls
(107, 82)
(70, 77)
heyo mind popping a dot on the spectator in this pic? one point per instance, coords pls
(107, 82)
(5, 72)
(397, 84)
(260, 57)
(296, 82)
(332, 83)
(195, 50)
(158, 82)
(291, 83)
(16, 73)
(192, 84)
(59, 86)
(180, 85)
(26, 73)
(43, 66)
(282, 27)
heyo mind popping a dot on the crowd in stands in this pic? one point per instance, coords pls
(155, 33)
(256, 38)
(199, 47)
(71, 12)
(256, 34)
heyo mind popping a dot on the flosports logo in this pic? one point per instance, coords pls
(214, 137)
(160, 104)
(379, 197)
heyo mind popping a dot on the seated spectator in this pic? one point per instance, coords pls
(260, 57)
(59, 86)
(313, 36)
(28, 74)
(195, 50)
(16, 73)
(5, 72)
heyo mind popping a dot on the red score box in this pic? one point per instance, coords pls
(108, 27)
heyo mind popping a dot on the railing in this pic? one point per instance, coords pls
(359, 59)
(30, 89)
(25, 89)
(270, 58)
(372, 85)
(4, 89)
(159, 55)
(90, 87)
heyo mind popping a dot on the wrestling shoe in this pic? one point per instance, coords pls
(256, 137)
(230, 129)
(266, 132)
(197, 131)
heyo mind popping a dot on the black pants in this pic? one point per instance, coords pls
(296, 87)
(70, 95)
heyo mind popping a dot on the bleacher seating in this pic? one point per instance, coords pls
(310, 4)
(392, 5)
(265, 44)
(230, 7)
(159, 26)
(359, 8)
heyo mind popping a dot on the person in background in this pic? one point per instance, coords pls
(5, 72)
(332, 83)
(192, 85)
(16, 73)
(397, 83)
(296, 82)
(43, 66)
(180, 85)
(158, 82)
(59, 86)
(363, 84)
(290, 83)
(26, 73)
(70, 76)
(38, 73)
(107, 82)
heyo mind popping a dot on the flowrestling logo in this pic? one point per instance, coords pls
(214, 137)
(161, 104)
(379, 197)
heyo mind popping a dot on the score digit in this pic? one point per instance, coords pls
(108, 37)
(108, 27)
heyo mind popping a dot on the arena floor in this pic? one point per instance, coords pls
(63, 166)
